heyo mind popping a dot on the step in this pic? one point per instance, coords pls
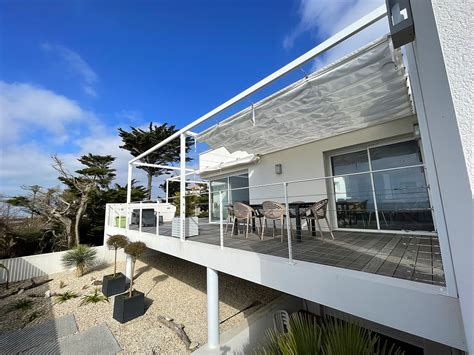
(95, 340)
(34, 336)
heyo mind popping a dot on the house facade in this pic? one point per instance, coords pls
(383, 135)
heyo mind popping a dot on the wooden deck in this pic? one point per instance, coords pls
(410, 257)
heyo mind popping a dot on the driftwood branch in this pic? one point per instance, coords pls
(178, 329)
(32, 285)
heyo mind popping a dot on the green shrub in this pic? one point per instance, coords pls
(96, 297)
(22, 304)
(82, 257)
(65, 296)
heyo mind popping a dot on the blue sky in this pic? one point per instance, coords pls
(71, 72)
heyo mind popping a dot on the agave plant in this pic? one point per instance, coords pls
(116, 242)
(135, 250)
(330, 337)
(96, 297)
(65, 296)
(82, 257)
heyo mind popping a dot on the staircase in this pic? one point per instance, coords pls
(59, 336)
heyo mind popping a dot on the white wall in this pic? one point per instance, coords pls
(27, 267)
(307, 161)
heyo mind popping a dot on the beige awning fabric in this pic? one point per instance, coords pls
(366, 88)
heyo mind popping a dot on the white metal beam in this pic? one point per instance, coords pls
(160, 166)
(182, 186)
(331, 42)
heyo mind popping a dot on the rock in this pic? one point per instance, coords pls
(21, 291)
(96, 283)
(193, 346)
(47, 294)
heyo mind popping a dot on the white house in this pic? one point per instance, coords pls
(384, 135)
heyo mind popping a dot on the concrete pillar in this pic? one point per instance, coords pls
(212, 308)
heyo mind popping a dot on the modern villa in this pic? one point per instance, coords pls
(348, 189)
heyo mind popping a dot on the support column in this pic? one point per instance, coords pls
(167, 189)
(212, 308)
(129, 183)
(182, 186)
(128, 267)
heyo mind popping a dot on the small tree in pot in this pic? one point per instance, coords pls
(116, 282)
(130, 305)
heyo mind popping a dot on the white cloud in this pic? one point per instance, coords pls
(324, 18)
(77, 65)
(25, 108)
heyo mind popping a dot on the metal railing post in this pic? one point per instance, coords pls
(157, 229)
(140, 219)
(182, 187)
(288, 228)
(221, 218)
(127, 219)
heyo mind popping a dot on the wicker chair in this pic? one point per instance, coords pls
(318, 211)
(273, 211)
(230, 216)
(242, 212)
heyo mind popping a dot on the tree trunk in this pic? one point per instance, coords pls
(115, 262)
(68, 227)
(77, 222)
(150, 178)
(131, 278)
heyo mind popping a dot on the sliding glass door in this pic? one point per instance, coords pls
(382, 187)
(234, 188)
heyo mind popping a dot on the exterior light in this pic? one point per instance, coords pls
(278, 169)
(400, 19)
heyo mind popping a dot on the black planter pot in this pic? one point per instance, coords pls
(113, 285)
(127, 308)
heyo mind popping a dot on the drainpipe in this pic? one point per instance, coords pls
(212, 308)
(182, 187)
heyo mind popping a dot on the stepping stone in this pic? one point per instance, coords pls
(30, 337)
(95, 340)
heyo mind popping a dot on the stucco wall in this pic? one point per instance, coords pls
(454, 23)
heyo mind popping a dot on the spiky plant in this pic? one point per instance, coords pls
(22, 304)
(330, 337)
(135, 250)
(82, 257)
(95, 297)
(2, 266)
(65, 296)
(116, 242)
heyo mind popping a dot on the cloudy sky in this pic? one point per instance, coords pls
(72, 72)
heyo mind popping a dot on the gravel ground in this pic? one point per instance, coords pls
(174, 288)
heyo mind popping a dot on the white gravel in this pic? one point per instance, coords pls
(175, 288)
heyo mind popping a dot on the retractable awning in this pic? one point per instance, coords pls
(365, 88)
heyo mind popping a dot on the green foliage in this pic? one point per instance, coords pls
(329, 337)
(135, 250)
(98, 168)
(138, 140)
(95, 297)
(23, 304)
(65, 296)
(82, 257)
(117, 241)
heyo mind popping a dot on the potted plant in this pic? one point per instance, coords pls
(130, 305)
(82, 257)
(115, 283)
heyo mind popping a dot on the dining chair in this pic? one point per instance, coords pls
(245, 213)
(318, 211)
(273, 211)
(230, 216)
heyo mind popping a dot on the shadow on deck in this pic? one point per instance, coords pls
(404, 256)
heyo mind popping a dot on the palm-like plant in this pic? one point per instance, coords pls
(82, 257)
(116, 242)
(65, 296)
(329, 337)
(95, 297)
(135, 250)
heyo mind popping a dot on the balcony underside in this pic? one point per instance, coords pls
(405, 256)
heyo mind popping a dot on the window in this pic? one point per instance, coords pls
(234, 188)
(382, 188)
